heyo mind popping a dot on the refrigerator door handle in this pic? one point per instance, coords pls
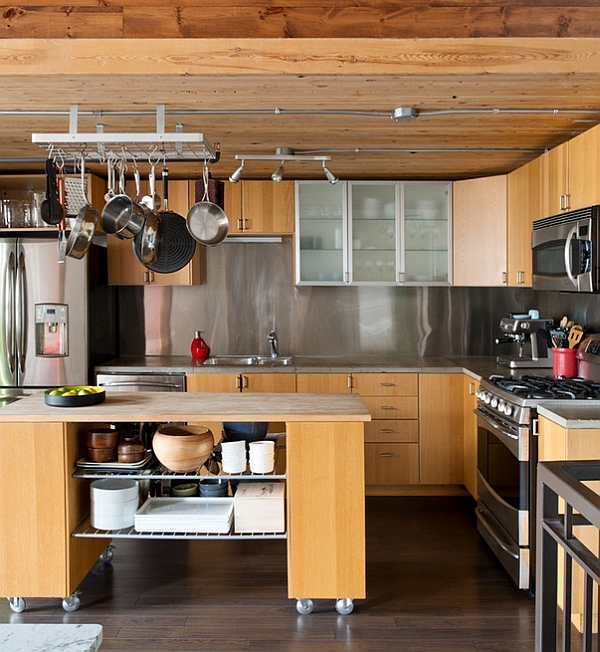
(9, 311)
(21, 313)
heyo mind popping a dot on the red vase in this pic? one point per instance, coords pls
(199, 348)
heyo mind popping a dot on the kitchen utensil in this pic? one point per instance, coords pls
(62, 225)
(182, 448)
(174, 245)
(110, 181)
(145, 243)
(75, 400)
(102, 437)
(82, 232)
(51, 208)
(206, 221)
(152, 200)
(246, 431)
(563, 323)
(100, 455)
(575, 335)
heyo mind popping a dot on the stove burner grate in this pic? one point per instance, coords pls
(548, 387)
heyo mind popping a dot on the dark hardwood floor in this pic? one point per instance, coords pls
(432, 586)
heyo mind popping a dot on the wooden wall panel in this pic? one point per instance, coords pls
(239, 19)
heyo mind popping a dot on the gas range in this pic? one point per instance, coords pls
(516, 398)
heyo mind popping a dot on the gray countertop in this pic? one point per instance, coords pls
(476, 366)
(572, 414)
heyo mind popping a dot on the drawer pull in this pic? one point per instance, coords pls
(386, 407)
(386, 455)
(387, 431)
(386, 384)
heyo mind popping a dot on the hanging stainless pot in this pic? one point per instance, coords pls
(82, 232)
(206, 221)
(146, 243)
(122, 216)
(175, 247)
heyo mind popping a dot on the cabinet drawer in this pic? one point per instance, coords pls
(324, 383)
(393, 430)
(392, 407)
(391, 464)
(385, 384)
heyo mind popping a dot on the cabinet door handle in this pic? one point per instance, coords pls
(240, 224)
(238, 382)
(520, 278)
(349, 382)
(504, 278)
(386, 455)
(244, 382)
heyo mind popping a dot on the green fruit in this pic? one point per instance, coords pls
(70, 393)
(62, 390)
(54, 392)
(83, 392)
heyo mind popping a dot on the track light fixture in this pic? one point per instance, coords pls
(235, 177)
(329, 174)
(277, 176)
(282, 154)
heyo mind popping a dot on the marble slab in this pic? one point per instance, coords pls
(50, 638)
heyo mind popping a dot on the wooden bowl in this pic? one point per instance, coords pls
(101, 454)
(182, 448)
(102, 437)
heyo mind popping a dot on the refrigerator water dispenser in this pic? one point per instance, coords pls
(51, 329)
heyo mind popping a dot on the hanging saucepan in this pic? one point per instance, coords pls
(146, 244)
(174, 245)
(122, 216)
(206, 221)
(82, 232)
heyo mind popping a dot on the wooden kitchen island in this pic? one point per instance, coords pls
(42, 504)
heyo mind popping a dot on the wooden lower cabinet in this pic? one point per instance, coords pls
(40, 506)
(391, 464)
(470, 435)
(241, 382)
(441, 428)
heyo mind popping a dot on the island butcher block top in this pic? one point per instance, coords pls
(172, 406)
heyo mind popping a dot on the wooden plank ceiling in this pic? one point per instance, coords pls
(495, 73)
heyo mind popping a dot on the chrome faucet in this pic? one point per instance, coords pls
(272, 339)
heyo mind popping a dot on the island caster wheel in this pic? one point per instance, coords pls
(17, 604)
(344, 606)
(304, 606)
(107, 555)
(72, 603)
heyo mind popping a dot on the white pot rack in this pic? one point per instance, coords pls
(100, 146)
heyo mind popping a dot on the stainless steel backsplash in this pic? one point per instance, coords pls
(248, 290)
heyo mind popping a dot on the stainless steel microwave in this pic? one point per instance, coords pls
(565, 251)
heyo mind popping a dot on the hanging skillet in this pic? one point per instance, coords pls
(206, 221)
(173, 244)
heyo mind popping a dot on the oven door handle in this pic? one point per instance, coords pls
(495, 425)
(502, 541)
(568, 269)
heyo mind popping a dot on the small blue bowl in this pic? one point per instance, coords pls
(245, 430)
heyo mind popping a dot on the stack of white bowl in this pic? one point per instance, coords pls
(262, 456)
(233, 456)
(114, 502)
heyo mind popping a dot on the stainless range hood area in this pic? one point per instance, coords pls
(248, 291)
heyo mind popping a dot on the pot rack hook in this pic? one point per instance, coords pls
(205, 180)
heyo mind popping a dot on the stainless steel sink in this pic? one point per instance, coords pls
(268, 361)
(230, 360)
(246, 361)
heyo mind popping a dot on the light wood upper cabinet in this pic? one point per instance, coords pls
(584, 169)
(480, 231)
(441, 425)
(260, 207)
(124, 268)
(570, 174)
(524, 206)
(554, 180)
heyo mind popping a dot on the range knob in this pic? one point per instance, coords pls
(487, 397)
(508, 410)
(494, 402)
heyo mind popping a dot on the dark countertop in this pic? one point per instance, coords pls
(476, 366)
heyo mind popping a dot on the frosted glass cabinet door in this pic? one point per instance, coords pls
(373, 231)
(321, 232)
(427, 232)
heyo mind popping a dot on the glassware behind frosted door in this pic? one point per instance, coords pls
(373, 218)
(426, 231)
(320, 232)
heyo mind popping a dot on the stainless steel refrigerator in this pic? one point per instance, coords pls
(43, 317)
